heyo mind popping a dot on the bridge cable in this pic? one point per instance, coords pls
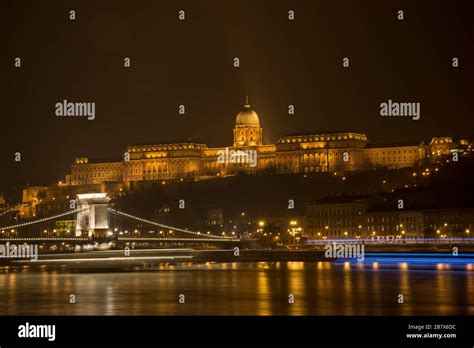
(44, 219)
(113, 211)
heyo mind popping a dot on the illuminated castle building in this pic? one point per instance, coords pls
(310, 152)
(296, 153)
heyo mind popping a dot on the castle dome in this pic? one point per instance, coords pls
(247, 117)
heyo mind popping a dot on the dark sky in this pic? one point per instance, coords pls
(173, 62)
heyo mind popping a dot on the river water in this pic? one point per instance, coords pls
(319, 288)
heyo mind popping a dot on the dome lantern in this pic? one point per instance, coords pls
(247, 117)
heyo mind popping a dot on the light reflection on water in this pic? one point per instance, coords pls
(319, 288)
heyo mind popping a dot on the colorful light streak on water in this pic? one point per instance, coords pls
(416, 260)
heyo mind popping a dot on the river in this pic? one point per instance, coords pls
(260, 288)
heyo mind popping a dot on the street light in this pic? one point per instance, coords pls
(293, 230)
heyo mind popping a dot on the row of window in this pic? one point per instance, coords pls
(335, 212)
(394, 152)
(323, 224)
(409, 228)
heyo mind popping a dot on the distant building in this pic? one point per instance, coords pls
(382, 223)
(337, 217)
(409, 224)
(2, 203)
(445, 223)
(163, 213)
(395, 155)
(412, 223)
(362, 216)
(215, 217)
(65, 227)
(454, 222)
(49, 200)
(295, 153)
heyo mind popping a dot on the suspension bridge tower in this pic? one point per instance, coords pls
(92, 220)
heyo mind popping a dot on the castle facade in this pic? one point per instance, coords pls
(295, 153)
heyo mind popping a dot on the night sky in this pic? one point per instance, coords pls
(190, 62)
